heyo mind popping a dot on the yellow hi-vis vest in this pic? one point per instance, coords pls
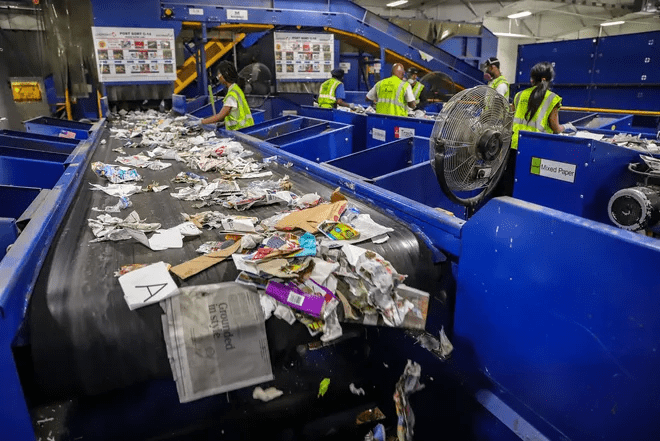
(327, 98)
(499, 80)
(240, 116)
(417, 90)
(390, 94)
(539, 121)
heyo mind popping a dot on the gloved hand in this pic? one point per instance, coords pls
(568, 127)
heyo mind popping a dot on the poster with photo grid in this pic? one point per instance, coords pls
(303, 56)
(134, 54)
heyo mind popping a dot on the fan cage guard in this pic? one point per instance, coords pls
(471, 116)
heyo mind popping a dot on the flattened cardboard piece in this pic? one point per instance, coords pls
(274, 268)
(199, 264)
(336, 196)
(310, 218)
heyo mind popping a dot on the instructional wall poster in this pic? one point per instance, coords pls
(134, 54)
(300, 56)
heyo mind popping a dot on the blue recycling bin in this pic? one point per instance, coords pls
(313, 139)
(207, 110)
(388, 128)
(39, 177)
(58, 127)
(402, 167)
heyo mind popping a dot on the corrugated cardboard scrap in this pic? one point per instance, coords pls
(310, 218)
(198, 264)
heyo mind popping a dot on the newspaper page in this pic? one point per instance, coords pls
(216, 339)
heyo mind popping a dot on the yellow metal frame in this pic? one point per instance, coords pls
(215, 49)
(628, 112)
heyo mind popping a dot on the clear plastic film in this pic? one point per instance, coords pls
(69, 45)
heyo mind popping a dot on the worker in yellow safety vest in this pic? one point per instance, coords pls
(332, 92)
(393, 96)
(492, 74)
(412, 75)
(536, 109)
(235, 110)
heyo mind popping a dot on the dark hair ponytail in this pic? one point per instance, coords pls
(542, 74)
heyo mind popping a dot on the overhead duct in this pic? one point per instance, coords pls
(650, 6)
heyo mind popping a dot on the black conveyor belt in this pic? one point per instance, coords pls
(84, 338)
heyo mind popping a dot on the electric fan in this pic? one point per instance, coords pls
(257, 79)
(469, 144)
(439, 86)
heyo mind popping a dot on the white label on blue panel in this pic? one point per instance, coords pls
(195, 11)
(553, 169)
(405, 132)
(237, 14)
(378, 134)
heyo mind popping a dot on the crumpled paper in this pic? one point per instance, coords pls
(408, 383)
(115, 174)
(106, 227)
(118, 190)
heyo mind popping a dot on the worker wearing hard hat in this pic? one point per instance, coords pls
(491, 69)
(332, 92)
(393, 96)
(235, 110)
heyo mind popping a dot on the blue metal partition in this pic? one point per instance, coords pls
(280, 126)
(58, 127)
(45, 189)
(608, 72)
(644, 124)
(45, 143)
(387, 128)
(385, 159)
(356, 97)
(561, 312)
(570, 174)
(401, 167)
(182, 105)
(313, 139)
(207, 110)
(357, 120)
(29, 172)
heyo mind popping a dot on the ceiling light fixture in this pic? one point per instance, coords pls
(509, 34)
(612, 23)
(397, 3)
(520, 14)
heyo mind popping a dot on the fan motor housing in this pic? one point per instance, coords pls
(490, 144)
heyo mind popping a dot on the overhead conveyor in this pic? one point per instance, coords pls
(214, 50)
(346, 19)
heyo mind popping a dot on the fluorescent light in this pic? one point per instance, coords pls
(397, 3)
(612, 23)
(520, 14)
(509, 34)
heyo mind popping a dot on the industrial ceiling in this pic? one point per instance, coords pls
(549, 19)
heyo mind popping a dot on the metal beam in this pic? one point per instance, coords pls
(470, 7)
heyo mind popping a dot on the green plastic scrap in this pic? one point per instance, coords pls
(323, 387)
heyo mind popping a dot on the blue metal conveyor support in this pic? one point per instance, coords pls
(40, 194)
(344, 16)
